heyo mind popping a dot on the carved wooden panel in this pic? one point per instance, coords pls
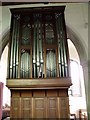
(52, 108)
(39, 93)
(15, 108)
(39, 108)
(63, 93)
(64, 107)
(26, 107)
(52, 93)
(28, 104)
(26, 93)
(15, 93)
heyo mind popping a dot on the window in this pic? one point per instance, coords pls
(76, 78)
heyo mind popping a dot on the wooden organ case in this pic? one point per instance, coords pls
(38, 76)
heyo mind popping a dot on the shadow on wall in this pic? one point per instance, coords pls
(4, 42)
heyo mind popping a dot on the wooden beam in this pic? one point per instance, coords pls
(46, 83)
(21, 3)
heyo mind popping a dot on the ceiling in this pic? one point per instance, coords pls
(18, 2)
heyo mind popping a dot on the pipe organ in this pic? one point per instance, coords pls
(38, 70)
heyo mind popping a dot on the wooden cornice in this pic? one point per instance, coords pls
(48, 83)
(18, 3)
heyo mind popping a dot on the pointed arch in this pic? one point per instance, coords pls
(78, 44)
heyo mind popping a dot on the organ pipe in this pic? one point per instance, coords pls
(35, 43)
(14, 48)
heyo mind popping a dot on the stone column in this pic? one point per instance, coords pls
(1, 99)
(88, 99)
(86, 72)
(86, 82)
(88, 102)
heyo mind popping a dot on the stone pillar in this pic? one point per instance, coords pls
(86, 81)
(85, 75)
(1, 99)
(88, 99)
(88, 102)
(86, 72)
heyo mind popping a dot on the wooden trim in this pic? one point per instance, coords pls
(19, 3)
(45, 9)
(39, 83)
(25, 47)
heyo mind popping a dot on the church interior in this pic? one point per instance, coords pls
(44, 61)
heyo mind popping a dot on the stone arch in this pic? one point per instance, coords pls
(4, 41)
(78, 45)
(82, 55)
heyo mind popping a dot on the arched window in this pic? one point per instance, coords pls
(76, 78)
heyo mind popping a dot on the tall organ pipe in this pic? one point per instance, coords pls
(14, 48)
